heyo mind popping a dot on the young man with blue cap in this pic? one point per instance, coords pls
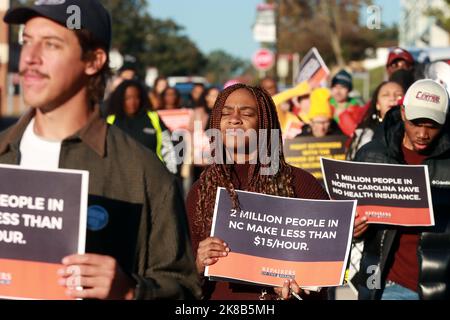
(141, 250)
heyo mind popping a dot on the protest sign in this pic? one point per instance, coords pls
(305, 152)
(313, 69)
(386, 193)
(276, 238)
(42, 220)
(177, 119)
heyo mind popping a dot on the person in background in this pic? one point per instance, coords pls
(348, 112)
(196, 95)
(126, 72)
(399, 59)
(291, 124)
(203, 115)
(404, 78)
(270, 85)
(387, 95)
(321, 116)
(203, 111)
(246, 108)
(170, 99)
(159, 85)
(130, 110)
(412, 263)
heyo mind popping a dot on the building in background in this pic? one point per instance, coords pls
(418, 29)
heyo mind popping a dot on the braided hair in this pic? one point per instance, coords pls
(219, 175)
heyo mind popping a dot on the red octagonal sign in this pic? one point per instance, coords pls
(263, 59)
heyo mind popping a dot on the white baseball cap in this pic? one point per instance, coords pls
(426, 99)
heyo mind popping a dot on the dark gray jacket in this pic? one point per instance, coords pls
(147, 232)
(434, 245)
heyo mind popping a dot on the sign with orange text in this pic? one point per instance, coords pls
(275, 238)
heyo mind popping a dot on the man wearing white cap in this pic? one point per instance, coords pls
(413, 263)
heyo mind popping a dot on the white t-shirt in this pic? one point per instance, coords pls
(37, 152)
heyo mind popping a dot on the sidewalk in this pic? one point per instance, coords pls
(345, 293)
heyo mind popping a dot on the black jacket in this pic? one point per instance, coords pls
(434, 245)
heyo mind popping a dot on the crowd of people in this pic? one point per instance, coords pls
(122, 140)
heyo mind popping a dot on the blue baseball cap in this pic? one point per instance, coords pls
(92, 16)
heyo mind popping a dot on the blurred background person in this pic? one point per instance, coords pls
(320, 115)
(159, 85)
(399, 59)
(196, 95)
(270, 85)
(202, 114)
(348, 112)
(130, 110)
(290, 123)
(170, 99)
(206, 103)
(405, 78)
(386, 96)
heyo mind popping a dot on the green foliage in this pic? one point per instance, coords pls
(310, 23)
(442, 19)
(222, 67)
(152, 42)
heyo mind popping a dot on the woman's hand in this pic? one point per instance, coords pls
(209, 251)
(289, 287)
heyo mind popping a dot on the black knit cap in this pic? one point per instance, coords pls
(93, 16)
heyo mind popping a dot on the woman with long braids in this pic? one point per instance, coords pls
(241, 107)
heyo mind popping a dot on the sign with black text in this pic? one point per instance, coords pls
(305, 152)
(278, 238)
(42, 220)
(386, 193)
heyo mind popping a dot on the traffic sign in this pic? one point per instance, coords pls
(263, 59)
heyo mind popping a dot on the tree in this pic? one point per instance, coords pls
(222, 67)
(441, 15)
(332, 26)
(153, 42)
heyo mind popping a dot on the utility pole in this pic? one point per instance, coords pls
(4, 55)
(277, 36)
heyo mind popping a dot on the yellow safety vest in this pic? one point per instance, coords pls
(154, 119)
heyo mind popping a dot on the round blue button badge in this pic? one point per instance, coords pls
(97, 218)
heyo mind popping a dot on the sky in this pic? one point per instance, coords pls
(227, 24)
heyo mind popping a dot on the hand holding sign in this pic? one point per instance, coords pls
(290, 289)
(100, 276)
(209, 251)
